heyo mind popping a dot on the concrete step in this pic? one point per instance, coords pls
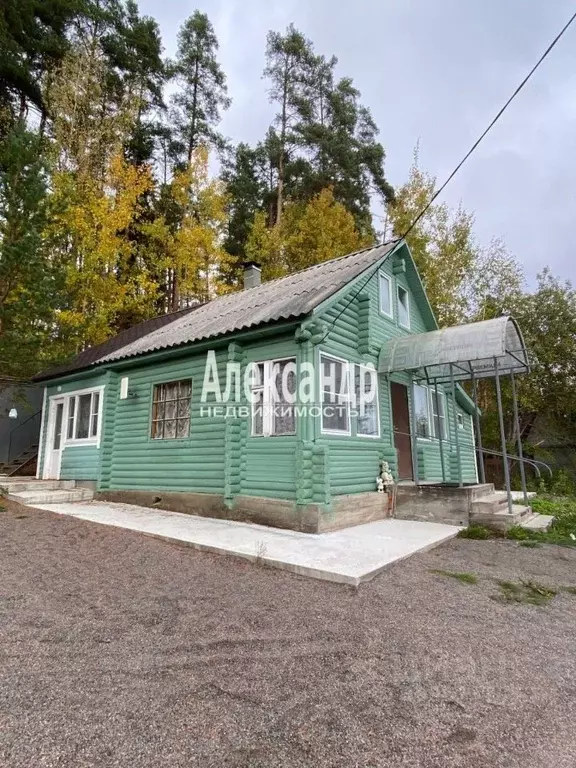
(31, 498)
(490, 503)
(18, 484)
(502, 520)
(537, 522)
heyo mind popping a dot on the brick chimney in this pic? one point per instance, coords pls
(252, 274)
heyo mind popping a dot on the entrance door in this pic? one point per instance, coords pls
(401, 419)
(53, 457)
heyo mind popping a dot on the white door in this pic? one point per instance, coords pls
(53, 457)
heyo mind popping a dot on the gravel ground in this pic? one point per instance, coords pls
(122, 650)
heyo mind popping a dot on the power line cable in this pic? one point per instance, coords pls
(464, 159)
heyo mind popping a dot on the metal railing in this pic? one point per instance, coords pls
(534, 463)
(19, 441)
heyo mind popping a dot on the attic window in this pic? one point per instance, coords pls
(403, 308)
(385, 295)
(171, 410)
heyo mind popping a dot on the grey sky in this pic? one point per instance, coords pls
(435, 72)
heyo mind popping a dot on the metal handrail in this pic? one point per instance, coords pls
(18, 426)
(533, 462)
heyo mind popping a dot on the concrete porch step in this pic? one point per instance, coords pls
(493, 502)
(49, 496)
(538, 522)
(502, 520)
(17, 485)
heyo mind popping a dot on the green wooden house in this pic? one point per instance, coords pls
(140, 419)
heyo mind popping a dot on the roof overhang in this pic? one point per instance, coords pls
(464, 351)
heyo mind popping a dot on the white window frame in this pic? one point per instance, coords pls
(357, 404)
(444, 422)
(268, 391)
(460, 419)
(383, 276)
(347, 432)
(407, 294)
(428, 409)
(94, 440)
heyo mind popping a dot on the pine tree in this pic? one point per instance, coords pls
(202, 93)
(289, 65)
(32, 41)
(29, 279)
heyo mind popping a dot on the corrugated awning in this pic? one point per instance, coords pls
(472, 349)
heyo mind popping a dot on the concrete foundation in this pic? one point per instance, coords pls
(345, 511)
(438, 504)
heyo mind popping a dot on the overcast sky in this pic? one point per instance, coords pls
(434, 72)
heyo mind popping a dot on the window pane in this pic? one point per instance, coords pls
(385, 303)
(421, 411)
(258, 412)
(403, 307)
(365, 383)
(334, 378)
(438, 414)
(95, 411)
(335, 416)
(157, 430)
(71, 407)
(284, 392)
(183, 428)
(83, 419)
(170, 429)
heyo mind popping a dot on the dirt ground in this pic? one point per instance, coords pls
(121, 650)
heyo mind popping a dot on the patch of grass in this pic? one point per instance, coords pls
(530, 544)
(525, 592)
(475, 532)
(465, 578)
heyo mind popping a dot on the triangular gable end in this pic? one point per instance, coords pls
(361, 282)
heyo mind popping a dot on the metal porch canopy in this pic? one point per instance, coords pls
(476, 350)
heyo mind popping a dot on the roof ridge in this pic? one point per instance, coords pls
(320, 264)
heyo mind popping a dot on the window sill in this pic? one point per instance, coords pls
(89, 441)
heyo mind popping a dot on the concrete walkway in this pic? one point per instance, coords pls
(350, 556)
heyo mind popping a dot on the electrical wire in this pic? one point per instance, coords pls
(461, 163)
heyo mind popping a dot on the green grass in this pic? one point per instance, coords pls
(525, 592)
(465, 578)
(475, 532)
(562, 530)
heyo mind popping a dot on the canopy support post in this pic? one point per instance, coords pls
(517, 428)
(480, 457)
(502, 435)
(413, 433)
(455, 419)
(439, 428)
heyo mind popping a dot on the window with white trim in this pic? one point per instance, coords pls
(460, 420)
(385, 295)
(335, 394)
(83, 416)
(171, 410)
(366, 395)
(438, 408)
(403, 307)
(421, 411)
(273, 388)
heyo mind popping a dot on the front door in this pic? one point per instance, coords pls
(401, 419)
(54, 440)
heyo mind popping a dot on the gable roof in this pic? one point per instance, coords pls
(286, 298)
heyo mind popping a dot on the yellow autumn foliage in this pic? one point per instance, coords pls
(308, 234)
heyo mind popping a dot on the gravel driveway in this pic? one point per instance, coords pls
(121, 650)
